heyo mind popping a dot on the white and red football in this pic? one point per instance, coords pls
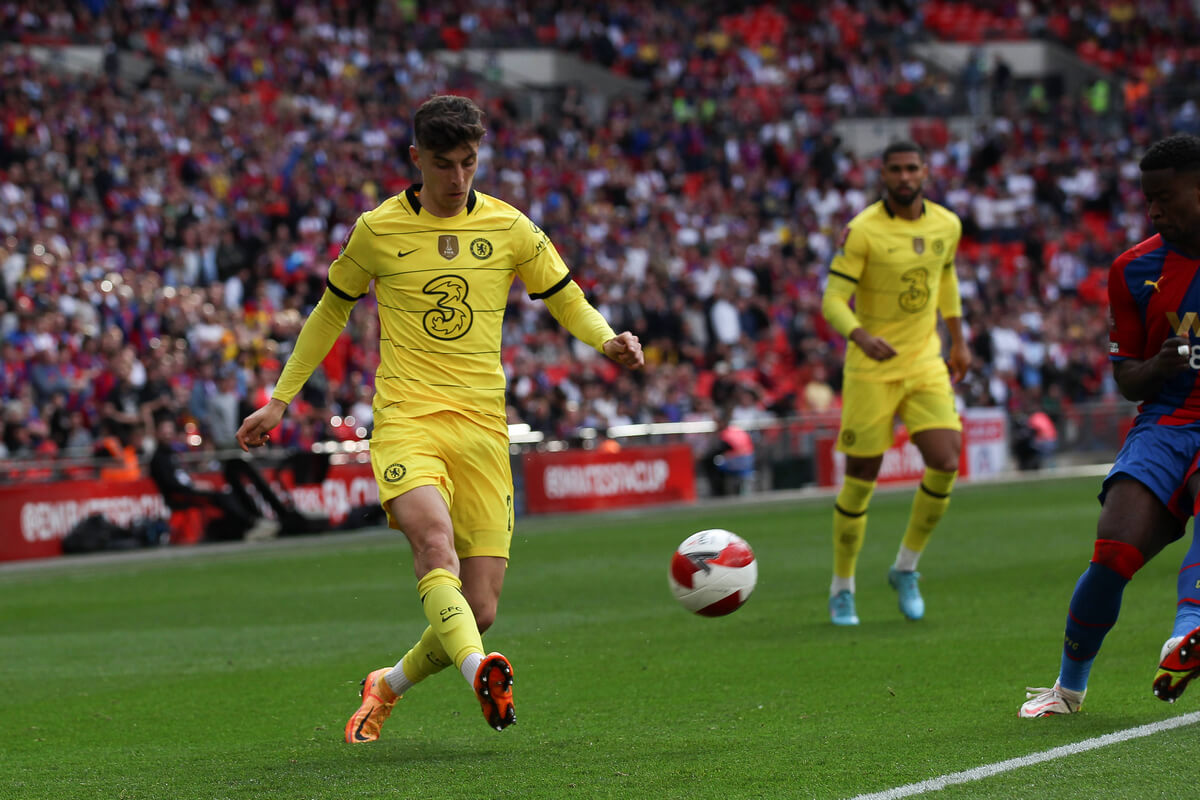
(713, 572)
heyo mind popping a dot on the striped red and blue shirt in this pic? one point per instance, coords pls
(1154, 294)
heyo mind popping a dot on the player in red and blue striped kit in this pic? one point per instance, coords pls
(1151, 490)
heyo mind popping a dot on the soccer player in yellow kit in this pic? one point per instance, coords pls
(896, 258)
(442, 257)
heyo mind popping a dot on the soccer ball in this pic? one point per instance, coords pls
(713, 572)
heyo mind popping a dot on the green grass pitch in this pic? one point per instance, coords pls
(229, 672)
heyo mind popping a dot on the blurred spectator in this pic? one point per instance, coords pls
(1035, 439)
(119, 448)
(729, 463)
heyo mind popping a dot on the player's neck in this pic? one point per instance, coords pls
(1189, 248)
(908, 211)
(445, 208)
(444, 211)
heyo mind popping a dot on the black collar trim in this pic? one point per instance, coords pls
(413, 194)
(892, 214)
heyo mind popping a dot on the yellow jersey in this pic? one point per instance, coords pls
(900, 273)
(442, 286)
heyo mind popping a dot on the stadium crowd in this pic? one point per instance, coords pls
(160, 245)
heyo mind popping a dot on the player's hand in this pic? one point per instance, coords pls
(959, 361)
(256, 428)
(876, 348)
(1172, 358)
(625, 349)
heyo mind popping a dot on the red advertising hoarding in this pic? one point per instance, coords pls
(584, 480)
(34, 518)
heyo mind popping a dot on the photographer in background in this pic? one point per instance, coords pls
(240, 516)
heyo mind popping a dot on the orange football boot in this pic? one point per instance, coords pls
(378, 699)
(493, 687)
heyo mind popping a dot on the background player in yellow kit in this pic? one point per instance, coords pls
(442, 257)
(896, 259)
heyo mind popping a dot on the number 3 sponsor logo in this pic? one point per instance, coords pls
(453, 317)
(915, 297)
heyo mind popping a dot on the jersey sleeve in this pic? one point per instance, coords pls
(577, 315)
(538, 263)
(1126, 332)
(316, 339)
(349, 279)
(850, 259)
(350, 274)
(949, 296)
(844, 273)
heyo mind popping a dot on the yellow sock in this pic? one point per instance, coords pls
(850, 524)
(449, 615)
(929, 504)
(427, 657)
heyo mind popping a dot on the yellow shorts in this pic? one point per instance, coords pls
(869, 409)
(468, 464)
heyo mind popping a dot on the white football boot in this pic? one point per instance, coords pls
(1048, 702)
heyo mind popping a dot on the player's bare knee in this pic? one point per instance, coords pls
(947, 463)
(863, 469)
(434, 552)
(483, 606)
(1112, 530)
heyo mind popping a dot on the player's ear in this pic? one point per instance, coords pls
(412, 154)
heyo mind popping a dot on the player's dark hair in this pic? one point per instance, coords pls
(1180, 152)
(446, 121)
(904, 146)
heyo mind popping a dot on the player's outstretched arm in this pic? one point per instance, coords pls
(317, 336)
(576, 314)
(625, 349)
(256, 428)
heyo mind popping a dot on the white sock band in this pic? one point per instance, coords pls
(398, 680)
(906, 560)
(470, 666)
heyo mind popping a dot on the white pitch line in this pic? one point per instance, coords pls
(988, 770)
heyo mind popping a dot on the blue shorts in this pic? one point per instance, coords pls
(1163, 458)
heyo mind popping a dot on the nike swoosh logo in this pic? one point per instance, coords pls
(404, 253)
(452, 616)
(358, 734)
